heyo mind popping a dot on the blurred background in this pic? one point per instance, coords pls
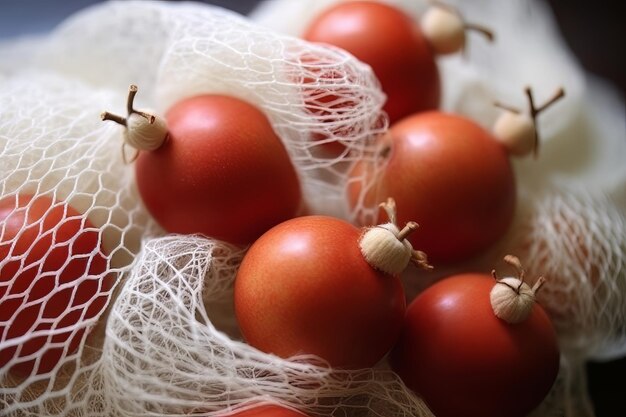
(595, 33)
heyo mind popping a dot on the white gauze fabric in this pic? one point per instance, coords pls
(53, 144)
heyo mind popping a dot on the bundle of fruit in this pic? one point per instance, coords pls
(248, 251)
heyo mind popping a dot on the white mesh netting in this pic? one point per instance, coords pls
(169, 346)
(62, 173)
(585, 283)
(166, 356)
(576, 239)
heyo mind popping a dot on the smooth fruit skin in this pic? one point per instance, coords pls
(305, 288)
(464, 361)
(268, 411)
(452, 177)
(53, 238)
(222, 172)
(392, 44)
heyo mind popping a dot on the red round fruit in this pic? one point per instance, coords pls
(464, 361)
(452, 177)
(45, 246)
(267, 411)
(392, 44)
(222, 172)
(305, 287)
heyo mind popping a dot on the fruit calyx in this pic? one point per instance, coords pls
(386, 248)
(143, 130)
(517, 129)
(444, 27)
(511, 298)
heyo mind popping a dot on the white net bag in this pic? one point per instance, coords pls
(70, 223)
(63, 178)
(167, 351)
(576, 239)
(312, 95)
(170, 343)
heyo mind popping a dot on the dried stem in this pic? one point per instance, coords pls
(409, 228)
(130, 100)
(534, 111)
(419, 259)
(149, 117)
(113, 117)
(390, 208)
(486, 32)
(533, 116)
(515, 263)
(560, 93)
(507, 107)
(538, 284)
